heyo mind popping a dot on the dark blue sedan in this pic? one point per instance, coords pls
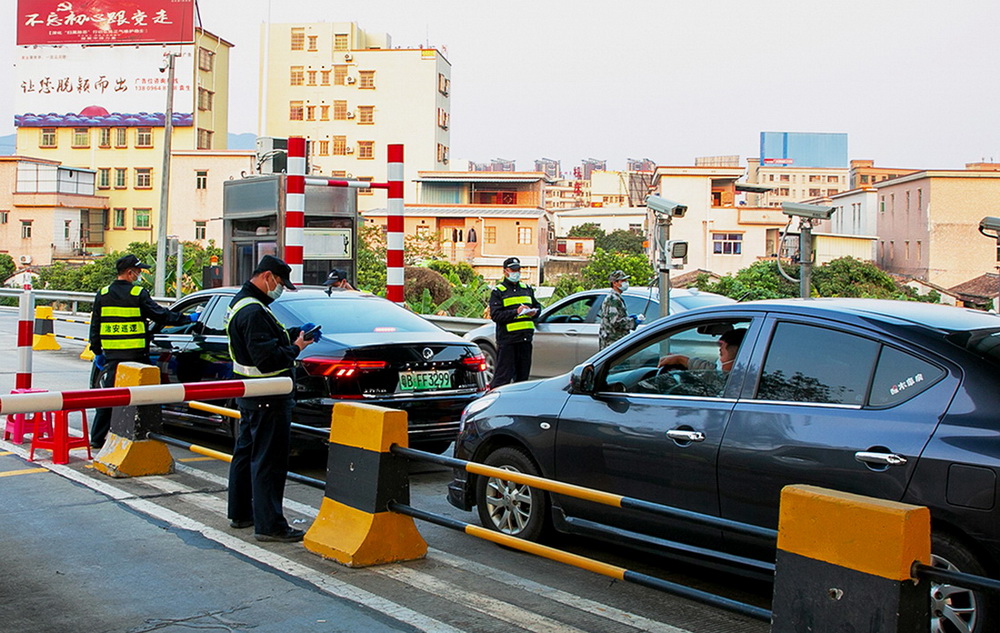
(715, 410)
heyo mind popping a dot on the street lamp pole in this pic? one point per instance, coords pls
(159, 285)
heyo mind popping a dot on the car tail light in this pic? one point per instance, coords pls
(340, 368)
(475, 363)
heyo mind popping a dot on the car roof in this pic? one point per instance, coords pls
(934, 316)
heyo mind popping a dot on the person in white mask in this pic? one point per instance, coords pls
(514, 308)
(261, 347)
(614, 318)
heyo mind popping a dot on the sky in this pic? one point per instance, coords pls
(914, 84)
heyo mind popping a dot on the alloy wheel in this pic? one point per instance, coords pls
(509, 504)
(953, 609)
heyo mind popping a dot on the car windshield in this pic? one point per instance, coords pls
(352, 316)
(692, 301)
(986, 343)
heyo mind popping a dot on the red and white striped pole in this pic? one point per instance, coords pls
(143, 395)
(295, 205)
(394, 237)
(25, 337)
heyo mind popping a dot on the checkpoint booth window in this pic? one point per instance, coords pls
(254, 210)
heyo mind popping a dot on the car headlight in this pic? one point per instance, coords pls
(475, 407)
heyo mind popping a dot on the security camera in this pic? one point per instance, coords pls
(809, 211)
(990, 223)
(668, 207)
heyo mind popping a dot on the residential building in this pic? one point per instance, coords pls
(864, 173)
(550, 167)
(793, 184)
(124, 150)
(48, 211)
(928, 225)
(482, 218)
(196, 178)
(352, 94)
(724, 237)
(609, 218)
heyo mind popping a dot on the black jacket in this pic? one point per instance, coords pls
(504, 300)
(257, 339)
(111, 330)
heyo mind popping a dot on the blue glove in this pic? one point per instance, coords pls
(100, 361)
(194, 316)
(315, 336)
(637, 319)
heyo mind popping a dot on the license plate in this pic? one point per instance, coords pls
(424, 380)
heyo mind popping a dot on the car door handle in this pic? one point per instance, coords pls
(686, 436)
(880, 459)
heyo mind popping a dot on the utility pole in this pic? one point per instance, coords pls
(159, 284)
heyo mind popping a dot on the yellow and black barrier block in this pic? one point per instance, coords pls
(844, 564)
(127, 452)
(354, 525)
(44, 332)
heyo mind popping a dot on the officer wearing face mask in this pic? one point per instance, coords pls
(514, 308)
(118, 331)
(261, 347)
(614, 318)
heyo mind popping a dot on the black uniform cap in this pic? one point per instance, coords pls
(270, 263)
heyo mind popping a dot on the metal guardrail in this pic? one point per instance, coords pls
(596, 496)
(455, 325)
(73, 299)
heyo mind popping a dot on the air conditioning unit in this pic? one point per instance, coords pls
(351, 80)
(348, 57)
(350, 115)
(24, 259)
(350, 149)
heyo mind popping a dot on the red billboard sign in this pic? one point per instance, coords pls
(779, 161)
(43, 22)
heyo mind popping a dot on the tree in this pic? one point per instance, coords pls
(760, 280)
(602, 264)
(566, 285)
(621, 241)
(589, 229)
(371, 259)
(7, 266)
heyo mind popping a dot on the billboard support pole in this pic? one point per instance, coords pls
(159, 286)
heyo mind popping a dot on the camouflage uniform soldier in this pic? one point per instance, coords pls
(615, 320)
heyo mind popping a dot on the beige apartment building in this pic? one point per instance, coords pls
(44, 207)
(928, 225)
(126, 150)
(351, 94)
(482, 218)
(793, 184)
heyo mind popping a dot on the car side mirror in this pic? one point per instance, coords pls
(581, 380)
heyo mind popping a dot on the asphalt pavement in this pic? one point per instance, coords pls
(76, 558)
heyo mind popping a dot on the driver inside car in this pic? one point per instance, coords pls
(696, 376)
(729, 345)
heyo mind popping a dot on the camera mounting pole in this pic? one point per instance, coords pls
(807, 214)
(665, 211)
(990, 227)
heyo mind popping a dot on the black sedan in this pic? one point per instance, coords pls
(371, 351)
(715, 410)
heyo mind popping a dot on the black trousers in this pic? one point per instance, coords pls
(513, 363)
(101, 425)
(260, 463)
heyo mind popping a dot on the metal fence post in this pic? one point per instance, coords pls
(844, 564)
(355, 526)
(127, 452)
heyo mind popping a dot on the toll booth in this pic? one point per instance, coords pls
(253, 216)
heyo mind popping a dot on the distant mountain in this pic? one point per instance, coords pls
(247, 140)
(7, 144)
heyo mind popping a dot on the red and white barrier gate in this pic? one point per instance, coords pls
(295, 212)
(144, 395)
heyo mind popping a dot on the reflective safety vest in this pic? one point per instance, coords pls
(251, 371)
(522, 321)
(122, 327)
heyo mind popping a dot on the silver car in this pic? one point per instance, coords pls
(566, 332)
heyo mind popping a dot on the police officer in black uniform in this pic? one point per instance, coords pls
(118, 331)
(514, 308)
(262, 347)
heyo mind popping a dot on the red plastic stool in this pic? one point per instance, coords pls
(60, 442)
(18, 424)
